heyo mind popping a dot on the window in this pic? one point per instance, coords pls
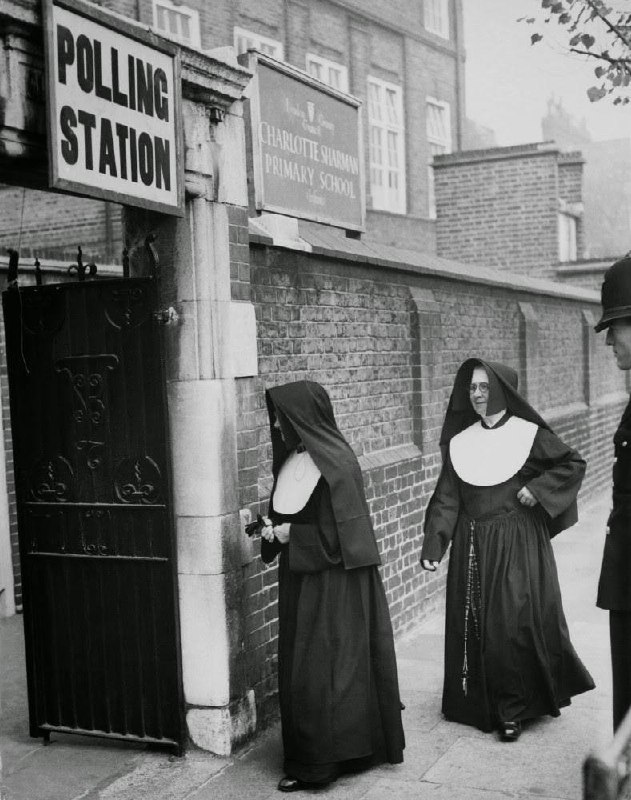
(329, 72)
(436, 17)
(438, 124)
(246, 40)
(387, 150)
(177, 22)
(567, 237)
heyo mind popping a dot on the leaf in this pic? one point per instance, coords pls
(530, 20)
(575, 40)
(588, 40)
(600, 71)
(536, 37)
(617, 101)
(546, 3)
(596, 93)
(557, 8)
(564, 18)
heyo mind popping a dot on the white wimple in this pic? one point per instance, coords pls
(488, 456)
(296, 481)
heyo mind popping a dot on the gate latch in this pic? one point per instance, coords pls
(167, 316)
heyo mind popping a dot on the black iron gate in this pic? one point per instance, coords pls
(94, 518)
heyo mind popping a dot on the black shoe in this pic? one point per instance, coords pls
(510, 731)
(289, 784)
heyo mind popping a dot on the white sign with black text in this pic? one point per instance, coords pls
(113, 109)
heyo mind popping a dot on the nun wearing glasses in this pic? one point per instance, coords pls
(507, 486)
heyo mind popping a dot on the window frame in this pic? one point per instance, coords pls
(327, 64)
(258, 39)
(195, 39)
(383, 197)
(567, 237)
(445, 143)
(436, 18)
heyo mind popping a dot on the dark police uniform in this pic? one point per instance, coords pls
(614, 587)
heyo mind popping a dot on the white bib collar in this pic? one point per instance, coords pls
(489, 456)
(296, 481)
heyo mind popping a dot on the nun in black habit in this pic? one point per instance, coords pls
(508, 484)
(337, 674)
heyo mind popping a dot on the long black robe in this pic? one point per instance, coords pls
(508, 654)
(337, 673)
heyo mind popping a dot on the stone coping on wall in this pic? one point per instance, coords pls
(332, 243)
(611, 399)
(530, 150)
(389, 456)
(558, 413)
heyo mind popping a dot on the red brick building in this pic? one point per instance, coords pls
(517, 208)
(404, 61)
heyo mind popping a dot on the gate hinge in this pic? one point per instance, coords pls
(167, 316)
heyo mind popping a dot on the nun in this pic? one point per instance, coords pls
(507, 486)
(337, 675)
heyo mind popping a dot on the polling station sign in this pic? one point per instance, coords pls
(113, 98)
(306, 146)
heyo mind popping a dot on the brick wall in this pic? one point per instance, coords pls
(53, 225)
(239, 253)
(499, 207)
(392, 45)
(386, 340)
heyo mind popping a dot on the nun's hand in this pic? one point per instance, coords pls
(282, 532)
(526, 497)
(430, 566)
(267, 531)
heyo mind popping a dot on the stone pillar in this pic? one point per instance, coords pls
(212, 548)
(296, 32)
(529, 344)
(426, 324)
(359, 50)
(212, 342)
(590, 390)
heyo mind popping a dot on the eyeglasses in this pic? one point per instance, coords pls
(483, 387)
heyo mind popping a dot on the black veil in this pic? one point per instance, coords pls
(460, 415)
(305, 414)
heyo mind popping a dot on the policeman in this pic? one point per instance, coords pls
(614, 587)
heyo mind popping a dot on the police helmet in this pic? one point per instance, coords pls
(616, 293)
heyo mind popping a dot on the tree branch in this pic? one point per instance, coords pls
(613, 61)
(607, 23)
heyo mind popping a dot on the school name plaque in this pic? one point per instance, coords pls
(306, 147)
(113, 109)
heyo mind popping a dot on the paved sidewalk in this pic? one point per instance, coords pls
(443, 760)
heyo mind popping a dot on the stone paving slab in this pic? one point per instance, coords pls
(400, 790)
(539, 770)
(175, 778)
